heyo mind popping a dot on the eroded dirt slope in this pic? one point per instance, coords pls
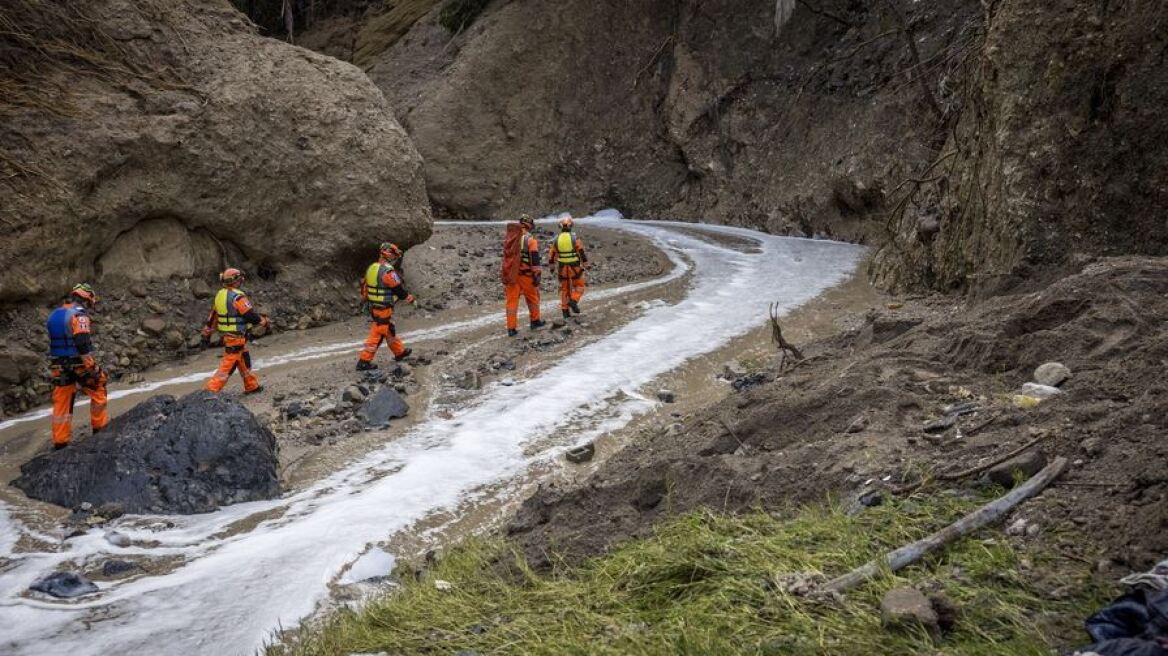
(852, 416)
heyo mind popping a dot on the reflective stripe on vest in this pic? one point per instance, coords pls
(566, 248)
(60, 326)
(378, 295)
(230, 320)
(525, 250)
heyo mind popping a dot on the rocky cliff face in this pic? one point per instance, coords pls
(1062, 151)
(974, 141)
(676, 109)
(149, 139)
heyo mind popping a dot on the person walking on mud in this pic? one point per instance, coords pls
(231, 314)
(567, 251)
(380, 287)
(521, 273)
(73, 364)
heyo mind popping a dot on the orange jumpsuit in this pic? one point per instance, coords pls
(527, 285)
(231, 314)
(382, 284)
(73, 365)
(568, 252)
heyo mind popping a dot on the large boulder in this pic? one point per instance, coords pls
(166, 455)
(157, 138)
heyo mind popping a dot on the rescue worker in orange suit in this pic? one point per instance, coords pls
(380, 288)
(567, 251)
(231, 314)
(73, 364)
(527, 284)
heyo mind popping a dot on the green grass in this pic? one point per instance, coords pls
(457, 15)
(706, 584)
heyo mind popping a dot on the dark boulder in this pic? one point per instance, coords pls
(164, 455)
(382, 406)
(64, 585)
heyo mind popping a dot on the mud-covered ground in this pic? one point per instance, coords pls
(145, 324)
(851, 418)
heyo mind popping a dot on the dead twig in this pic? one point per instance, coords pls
(898, 559)
(785, 347)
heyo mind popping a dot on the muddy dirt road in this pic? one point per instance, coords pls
(223, 582)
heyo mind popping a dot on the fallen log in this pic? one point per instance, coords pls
(987, 514)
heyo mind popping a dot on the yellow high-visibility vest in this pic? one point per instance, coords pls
(566, 248)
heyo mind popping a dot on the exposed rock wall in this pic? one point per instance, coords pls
(676, 109)
(127, 124)
(1062, 151)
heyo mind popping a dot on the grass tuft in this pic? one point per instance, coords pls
(713, 584)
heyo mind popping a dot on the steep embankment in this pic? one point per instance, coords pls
(673, 109)
(146, 144)
(977, 142)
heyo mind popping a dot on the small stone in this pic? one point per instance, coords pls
(324, 409)
(383, 405)
(117, 539)
(113, 568)
(138, 289)
(1052, 374)
(200, 289)
(352, 394)
(443, 586)
(64, 585)
(666, 396)
(858, 424)
(1027, 464)
(153, 326)
(906, 608)
(1017, 528)
(940, 425)
(1092, 446)
(85, 506)
(175, 339)
(581, 454)
(507, 382)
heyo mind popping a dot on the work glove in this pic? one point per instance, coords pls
(411, 299)
(205, 337)
(89, 362)
(265, 322)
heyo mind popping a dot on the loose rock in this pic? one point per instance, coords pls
(907, 608)
(382, 406)
(164, 455)
(153, 326)
(666, 396)
(64, 585)
(113, 568)
(581, 454)
(1052, 374)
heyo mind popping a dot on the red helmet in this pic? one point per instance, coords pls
(84, 292)
(389, 250)
(231, 277)
(566, 223)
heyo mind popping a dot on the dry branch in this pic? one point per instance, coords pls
(983, 516)
(785, 347)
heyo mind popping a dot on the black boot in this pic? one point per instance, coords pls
(575, 308)
(538, 324)
(404, 354)
(58, 447)
(567, 314)
(511, 332)
(254, 391)
(365, 366)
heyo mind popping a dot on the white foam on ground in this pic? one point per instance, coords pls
(232, 591)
